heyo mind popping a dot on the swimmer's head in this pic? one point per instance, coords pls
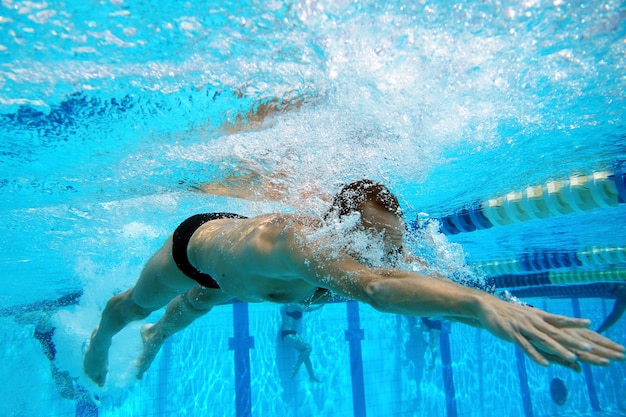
(379, 213)
(355, 196)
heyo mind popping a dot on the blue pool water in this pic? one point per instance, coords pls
(113, 111)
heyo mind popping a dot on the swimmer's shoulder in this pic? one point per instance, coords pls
(286, 221)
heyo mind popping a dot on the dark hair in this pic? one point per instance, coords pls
(352, 197)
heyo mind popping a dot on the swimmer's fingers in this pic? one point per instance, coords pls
(602, 344)
(603, 350)
(576, 340)
(560, 341)
(592, 358)
(585, 357)
(553, 342)
(566, 346)
(562, 322)
(530, 350)
(537, 351)
(574, 366)
(588, 345)
(544, 358)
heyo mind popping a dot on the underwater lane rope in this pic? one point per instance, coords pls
(546, 260)
(580, 193)
(557, 278)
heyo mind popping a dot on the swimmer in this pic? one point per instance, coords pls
(292, 317)
(431, 332)
(285, 258)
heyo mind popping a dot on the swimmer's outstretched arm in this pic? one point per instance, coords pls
(546, 338)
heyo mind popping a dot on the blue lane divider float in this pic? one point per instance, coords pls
(591, 387)
(550, 259)
(520, 280)
(580, 193)
(241, 344)
(354, 335)
(557, 278)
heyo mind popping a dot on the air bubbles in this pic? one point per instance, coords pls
(345, 236)
(442, 257)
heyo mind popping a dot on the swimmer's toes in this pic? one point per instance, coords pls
(99, 379)
(142, 363)
(95, 366)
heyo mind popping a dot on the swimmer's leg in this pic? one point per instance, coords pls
(180, 313)
(119, 311)
(309, 368)
(159, 283)
(305, 349)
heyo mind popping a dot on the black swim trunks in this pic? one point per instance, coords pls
(181, 238)
(296, 315)
(286, 333)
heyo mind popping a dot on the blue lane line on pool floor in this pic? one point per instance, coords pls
(591, 387)
(523, 382)
(446, 367)
(241, 343)
(354, 335)
(164, 377)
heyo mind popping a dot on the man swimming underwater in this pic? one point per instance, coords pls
(286, 258)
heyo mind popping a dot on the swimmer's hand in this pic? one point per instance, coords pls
(547, 338)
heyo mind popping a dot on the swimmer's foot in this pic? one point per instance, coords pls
(151, 346)
(96, 360)
(313, 378)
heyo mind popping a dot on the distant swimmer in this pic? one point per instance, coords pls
(288, 258)
(431, 330)
(289, 333)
